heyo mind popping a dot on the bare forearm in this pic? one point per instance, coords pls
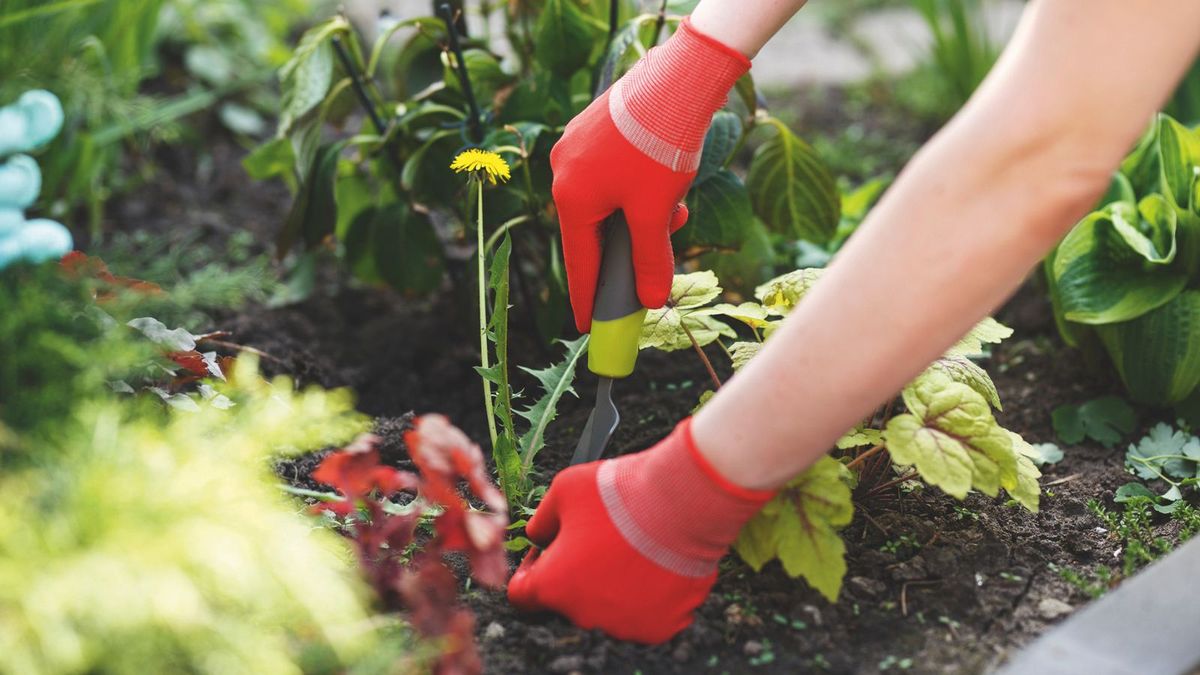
(745, 25)
(963, 225)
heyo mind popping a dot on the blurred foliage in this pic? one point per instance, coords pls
(140, 538)
(97, 55)
(960, 54)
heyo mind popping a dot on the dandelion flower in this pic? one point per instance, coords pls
(482, 163)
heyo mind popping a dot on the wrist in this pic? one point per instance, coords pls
(665, 104)
(674, 507)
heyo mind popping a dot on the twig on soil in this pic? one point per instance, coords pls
(859, 459)
(904, 592)
(874, 522)
(1060, 481)
(235, 347)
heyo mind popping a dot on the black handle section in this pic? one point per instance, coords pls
(616, 286)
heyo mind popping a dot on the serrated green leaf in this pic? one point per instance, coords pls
(719, 142)
(1027, 492)
(988, 331)
(792, 190)
(1158, 354)
(556, 381)
(513, 481)
(664, 328)
(859, 436)
(704, 398)
(1119, 263)
(951, 438)
(757, 544)
(964, 370)
(816, 505)
(741, 352)
(780, 295)
(1106, 420)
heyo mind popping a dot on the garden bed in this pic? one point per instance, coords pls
(934, 585)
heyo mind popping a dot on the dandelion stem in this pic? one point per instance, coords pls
(483, 326)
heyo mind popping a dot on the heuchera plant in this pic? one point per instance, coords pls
(947, 436)
(406, 570)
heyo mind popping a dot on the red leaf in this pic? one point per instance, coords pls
(78, 264)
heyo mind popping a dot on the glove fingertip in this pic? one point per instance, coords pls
(522, 589)
(679, 217)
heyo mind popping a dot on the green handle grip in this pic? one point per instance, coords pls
(617, 315)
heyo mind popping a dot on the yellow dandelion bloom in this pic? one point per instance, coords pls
(483, 163)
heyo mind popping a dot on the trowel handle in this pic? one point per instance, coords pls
(617, 315)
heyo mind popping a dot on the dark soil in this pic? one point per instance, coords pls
(934, 585)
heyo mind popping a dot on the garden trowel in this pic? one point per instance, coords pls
(616, 326)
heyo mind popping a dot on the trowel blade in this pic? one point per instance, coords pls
(600, 425)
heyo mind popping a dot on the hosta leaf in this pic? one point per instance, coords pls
(1179, 152)
(792, 190)
(722, 138)
(1106, 420)
(860, 436)
(1116, 264)
(964, 370)
(951, 438)
(1142, 166)
(800, 527)
(719, 213)
(780, 295)
(988, 331)
(742, 352)
(1158, 354)
(664, 328)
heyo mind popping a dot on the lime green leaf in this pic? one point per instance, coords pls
(667, 328)
(780, 295)
(1116, 264)
(742, 352)
(307, 76)
(859, 436)
(704, 398)
(1106, 420)
(792, 190)
(964, 370)
(1158, 354)
(273, 158)
(563, 37)
(719, 143)
(988, 331)
(951, 438)
(856, 202)
(750, 313)
(800, 527)
(719, 213)
(1027, 492)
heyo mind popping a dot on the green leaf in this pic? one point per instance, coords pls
(667, 328)
(406, 249)
(1027, 492)
(741, 352)
(719, 213)
(1158, 354)
(1116, 264)
(314, 212)
(705, 397)
(1042, 454)
(964, 370)
(1179, 152)
(1164, 451)
(859, 436)
(951, 438)
(792, 191)
(556, 381)
(723, 136)
(800, 527)
(858, 201)
(1131, 491)
(563, 38)
(1142, 166)
(750, 313)
(307, 76)
(988, 331)
(780, 295)
(1106, 420)
(487, 77)
(271, 159)
(513, 481)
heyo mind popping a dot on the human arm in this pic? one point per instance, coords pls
(977, 207)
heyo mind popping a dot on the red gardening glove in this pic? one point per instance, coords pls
(631, 545)
(636, 148)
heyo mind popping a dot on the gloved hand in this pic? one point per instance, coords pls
(631, 545)
(637, 148)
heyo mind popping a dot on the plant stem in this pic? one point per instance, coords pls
(659, 22)
(474, 123)
(508, 225)
(703, 357)
(483, 346)
(892, 483)
(859, 460)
